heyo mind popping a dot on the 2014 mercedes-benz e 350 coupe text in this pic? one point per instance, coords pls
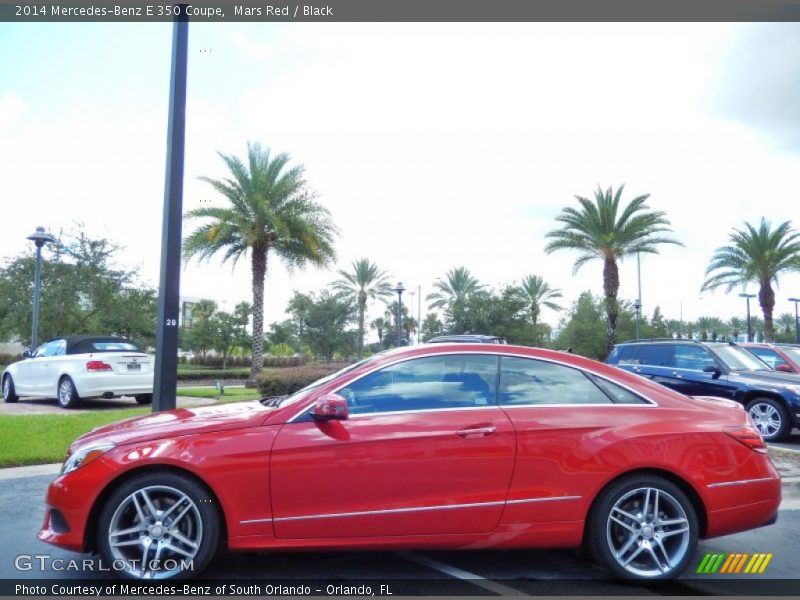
(435, 446)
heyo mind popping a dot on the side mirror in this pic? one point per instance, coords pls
(784, 368)
(330, 406)
(27, 354)
(714, 370)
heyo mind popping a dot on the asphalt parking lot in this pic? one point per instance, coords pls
(450, 572)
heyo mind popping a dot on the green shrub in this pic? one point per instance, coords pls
(189, 375)
(7, 359)
(283, 381)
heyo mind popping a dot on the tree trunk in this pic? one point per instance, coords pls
(362, 308)
(610, 289)
(766, 297)
(259, 271)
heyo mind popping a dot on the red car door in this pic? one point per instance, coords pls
(425, 450)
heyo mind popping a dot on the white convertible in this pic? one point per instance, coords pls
(81, 366)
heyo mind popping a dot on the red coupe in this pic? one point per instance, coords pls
(437, 446)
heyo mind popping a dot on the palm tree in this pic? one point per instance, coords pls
(381, 327)
(759, 256)
(364, 282)
(269, 209)
(604, 230)
(204, 309)
(736, 326)
(538, 293)
(454, 287)
(786, 323)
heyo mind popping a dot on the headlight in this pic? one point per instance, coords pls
(84, 455)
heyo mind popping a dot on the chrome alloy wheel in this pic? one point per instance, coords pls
(6, 388)
(154, 532)
(65, 392)
(648, 532)
(766, 418)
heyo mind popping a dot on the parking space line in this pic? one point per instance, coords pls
(451, 571)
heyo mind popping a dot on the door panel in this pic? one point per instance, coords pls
(409, 473)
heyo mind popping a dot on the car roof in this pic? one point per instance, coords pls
(81, 344)
(675, 341)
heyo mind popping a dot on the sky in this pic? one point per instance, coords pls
(432, 145)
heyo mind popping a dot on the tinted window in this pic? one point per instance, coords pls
(693, 357)
(51, 348)
(772, 358)
(625, 355)
(661, 355)
(433, 382)
(529, 381)
(617, 393)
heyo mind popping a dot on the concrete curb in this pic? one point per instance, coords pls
(29, 471)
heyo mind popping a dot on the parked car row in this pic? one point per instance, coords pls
(761, 377)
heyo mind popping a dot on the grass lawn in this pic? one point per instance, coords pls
(37, 439)
(231, 394)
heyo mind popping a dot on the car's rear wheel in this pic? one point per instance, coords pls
(643, 527)
(158, 526)
(144, 398)
(67, 394)
(770, 418)
(9, 394)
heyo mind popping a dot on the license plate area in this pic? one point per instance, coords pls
(134, 366)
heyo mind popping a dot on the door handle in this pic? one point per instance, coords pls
(476, 431)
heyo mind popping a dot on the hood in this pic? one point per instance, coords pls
(776, 378)
(178, 422)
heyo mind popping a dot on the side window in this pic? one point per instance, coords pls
(60, 348)
(772, 358)
(525, 381)
(617, 393)
(660, 355)
(625, 355)
(693, 357)
(435, 382)
(50, 348)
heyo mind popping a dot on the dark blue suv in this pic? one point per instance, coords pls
(720, 369)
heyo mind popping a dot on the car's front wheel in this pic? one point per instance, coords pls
(158, 526)
(67, 394)
(770, 418)
(643, 527)
(9, 394)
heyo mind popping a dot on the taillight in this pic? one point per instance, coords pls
(98, 365)
(747, 436)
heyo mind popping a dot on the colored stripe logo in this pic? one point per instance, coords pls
(731, 563)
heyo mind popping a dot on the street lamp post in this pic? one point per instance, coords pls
(796, 320)
(637, 306)
(749, 327)
(399, 317)
(40, 238)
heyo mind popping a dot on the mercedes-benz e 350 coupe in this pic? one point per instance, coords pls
(437, 446)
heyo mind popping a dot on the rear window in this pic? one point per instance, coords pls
(114, 347)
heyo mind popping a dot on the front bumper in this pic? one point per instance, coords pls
(68, 506)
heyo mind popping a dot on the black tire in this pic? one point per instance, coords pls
(9, 393)
(144, 398)
(200, 522)
(770, 418)
(66, 394)
(673, 545)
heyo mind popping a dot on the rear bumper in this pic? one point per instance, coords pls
(744, 506)
(97, 384)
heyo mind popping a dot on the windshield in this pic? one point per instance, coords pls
(739, 359)
(299, 394)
